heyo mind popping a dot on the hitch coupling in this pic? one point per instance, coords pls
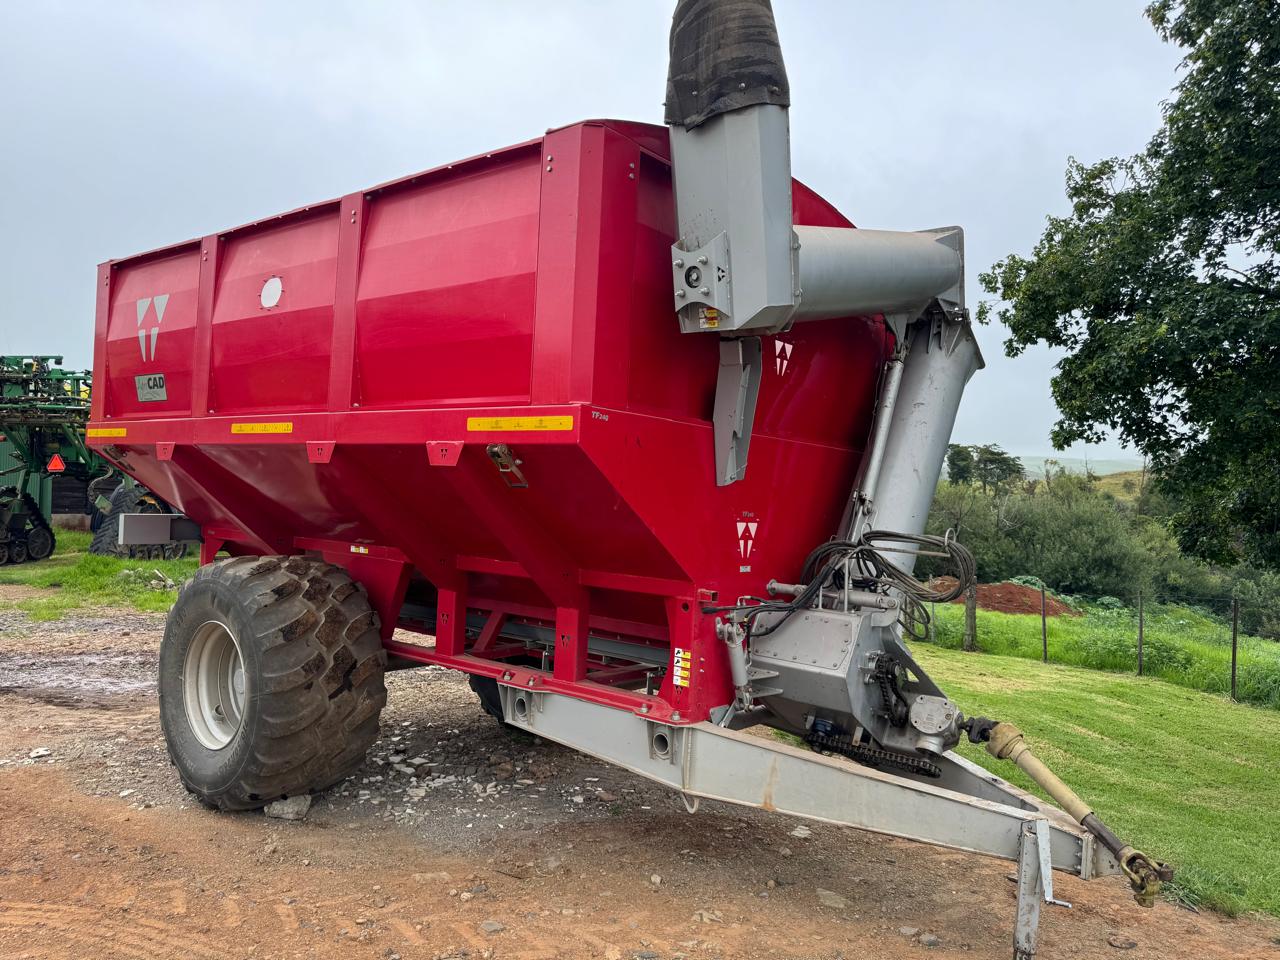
(1004, 741)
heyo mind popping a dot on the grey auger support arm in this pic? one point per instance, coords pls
(741, 268)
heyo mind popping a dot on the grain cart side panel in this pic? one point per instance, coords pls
(365, 362)
(271, 339)
(150, 336)
(448, 273)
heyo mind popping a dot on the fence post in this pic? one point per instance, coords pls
(1235, 639)
(1044, 628)
(971, 618)
(1140, 631)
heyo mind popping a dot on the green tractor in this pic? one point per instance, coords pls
(43, 413)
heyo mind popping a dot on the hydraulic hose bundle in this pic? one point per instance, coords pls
(863, 565)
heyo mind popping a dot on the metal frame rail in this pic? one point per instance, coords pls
(973, 810)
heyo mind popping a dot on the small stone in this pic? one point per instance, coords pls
(909, 931)
(39, 752)
(269, 849)
(708, 916)
(656, 880)
(492, 926)
(439, 876)
(1120, 942)
(466, 895)
(404, 768)
(771, 884)
(784, 851)
(801, 832)
(126, 793)
(829, 898)
(291, 808)
(930, 940)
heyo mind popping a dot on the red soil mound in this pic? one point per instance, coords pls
(1011, 598)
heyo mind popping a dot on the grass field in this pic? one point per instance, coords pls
(87, 581)
(1181, 645)
(1190, 777)
(1124, 486)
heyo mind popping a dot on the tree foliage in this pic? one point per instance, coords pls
(1080, 540)
(959, 463)
(1162, 284)
(994, 469)
(986, 464)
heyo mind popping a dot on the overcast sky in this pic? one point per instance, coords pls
(126, 126)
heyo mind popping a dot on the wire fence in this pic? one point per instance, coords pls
(1194, 640)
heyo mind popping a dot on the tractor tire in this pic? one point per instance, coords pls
(4, 553)
(40, 543)
(17, 551)
(106, 538)
(486, 688)
(271, 680)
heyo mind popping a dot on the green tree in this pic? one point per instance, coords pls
(994, 469)
(1162, 284)
(959, 463)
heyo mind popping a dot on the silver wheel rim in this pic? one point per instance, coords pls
(213, 685)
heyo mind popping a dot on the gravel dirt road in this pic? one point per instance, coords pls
(459, 838)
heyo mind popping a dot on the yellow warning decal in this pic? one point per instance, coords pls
(281, 427)
(107, 432)
(517, 424)
(356, 548)
(681, 661)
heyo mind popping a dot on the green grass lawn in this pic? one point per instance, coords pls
(1191, 778)
(88, 581)
(1181, 645)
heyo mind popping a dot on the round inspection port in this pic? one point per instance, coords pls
(692, 277)
(522, 708)
(661, 745)
(272, 291)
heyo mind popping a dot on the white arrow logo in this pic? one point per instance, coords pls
(160, 301)
(781, 355)
(746, 537)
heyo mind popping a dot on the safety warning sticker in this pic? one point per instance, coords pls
(681, 662)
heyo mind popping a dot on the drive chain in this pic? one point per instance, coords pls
(871, 756)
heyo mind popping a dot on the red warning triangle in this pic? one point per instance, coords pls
(56, 464)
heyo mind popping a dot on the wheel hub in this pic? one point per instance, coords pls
(214, 685)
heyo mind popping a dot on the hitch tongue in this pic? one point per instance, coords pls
(1006, 742)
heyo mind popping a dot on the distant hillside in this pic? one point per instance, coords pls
(1035, 464)
(1123, 486)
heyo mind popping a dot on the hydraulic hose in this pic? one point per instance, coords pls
(1004, 741)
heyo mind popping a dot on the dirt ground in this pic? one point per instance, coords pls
(459, 838)
(1009, 597)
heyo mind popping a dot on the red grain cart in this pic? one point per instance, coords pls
(507, 405)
